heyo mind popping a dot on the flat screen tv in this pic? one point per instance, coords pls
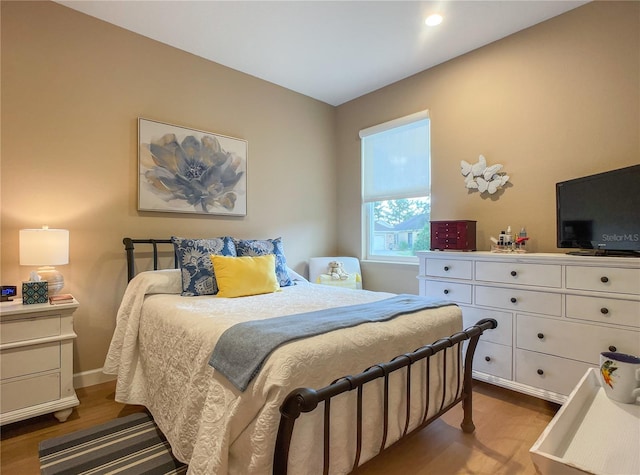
(600, 214)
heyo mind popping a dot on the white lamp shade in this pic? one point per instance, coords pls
(44, 247)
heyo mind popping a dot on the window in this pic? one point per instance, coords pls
(396, 199)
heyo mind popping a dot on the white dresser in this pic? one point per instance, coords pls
(556, 313)
(36, 360)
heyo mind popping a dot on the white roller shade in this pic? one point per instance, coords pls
(395, 159)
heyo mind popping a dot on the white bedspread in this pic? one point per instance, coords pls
(160, 352)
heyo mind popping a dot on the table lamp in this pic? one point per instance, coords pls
(45, 248)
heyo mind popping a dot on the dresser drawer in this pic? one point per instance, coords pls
(503, 334)
(517, 273)
(28, 360)
(459, 293)
(29, 328)
(494, 359)
(519, 300)
(453, 269)
(610, 279)
(548, 372)
(29, 392)
(576, 341)
(604, 310)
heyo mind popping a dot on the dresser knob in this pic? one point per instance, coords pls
(604, 310)
(613, 348)
(541, 335)
(487, 358)
(540, 372)
(446, 268)
(604, 279)
(514, 273)
(513, 299)
(446, 291)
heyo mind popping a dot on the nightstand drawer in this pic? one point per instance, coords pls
(611, 279)
(603, 310)
(29, 392)
(494, 359)
(542, 275)
(459, 293)
(29, 328)
(520, 300)
(453, 269)
(28, 360)
(548, 372)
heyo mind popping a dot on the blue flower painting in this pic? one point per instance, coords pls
(190, 171)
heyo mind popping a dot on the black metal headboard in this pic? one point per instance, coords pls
(129, 247)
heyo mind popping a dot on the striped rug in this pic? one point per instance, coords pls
(133, 445)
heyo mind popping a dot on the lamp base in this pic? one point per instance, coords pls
(55, 281)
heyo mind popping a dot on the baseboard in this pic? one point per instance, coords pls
(91, 378)
(521, 388)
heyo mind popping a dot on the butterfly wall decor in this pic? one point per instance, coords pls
(485, 179)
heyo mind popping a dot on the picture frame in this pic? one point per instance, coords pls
(184, 170)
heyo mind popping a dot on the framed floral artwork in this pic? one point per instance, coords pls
(185, 170)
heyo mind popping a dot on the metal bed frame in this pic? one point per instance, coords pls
(305, 400)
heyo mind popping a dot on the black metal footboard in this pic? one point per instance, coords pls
(306, 399)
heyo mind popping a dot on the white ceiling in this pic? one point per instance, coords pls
(333, 51)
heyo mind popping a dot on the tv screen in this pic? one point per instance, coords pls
(600, 213)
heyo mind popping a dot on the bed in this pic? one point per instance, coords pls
(322, 404)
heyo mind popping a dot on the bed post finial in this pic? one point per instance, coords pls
(128, 247)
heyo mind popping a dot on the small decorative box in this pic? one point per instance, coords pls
(35, 292)
(453, 235)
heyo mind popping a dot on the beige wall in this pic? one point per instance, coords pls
(72, 89)
(554, 102)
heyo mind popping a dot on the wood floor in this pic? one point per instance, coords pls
(507, 424)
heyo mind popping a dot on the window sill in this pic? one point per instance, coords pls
(400, 263)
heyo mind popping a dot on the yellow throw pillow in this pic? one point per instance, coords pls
(247, 275)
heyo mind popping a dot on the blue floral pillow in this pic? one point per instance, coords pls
(260, 247)
(195, 264)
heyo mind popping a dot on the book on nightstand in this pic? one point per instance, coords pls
(60, 299)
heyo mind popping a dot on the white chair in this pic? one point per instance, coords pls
(319, 268)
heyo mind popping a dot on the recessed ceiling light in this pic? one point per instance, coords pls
(433, 20)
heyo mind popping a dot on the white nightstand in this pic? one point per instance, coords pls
(36, 360)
